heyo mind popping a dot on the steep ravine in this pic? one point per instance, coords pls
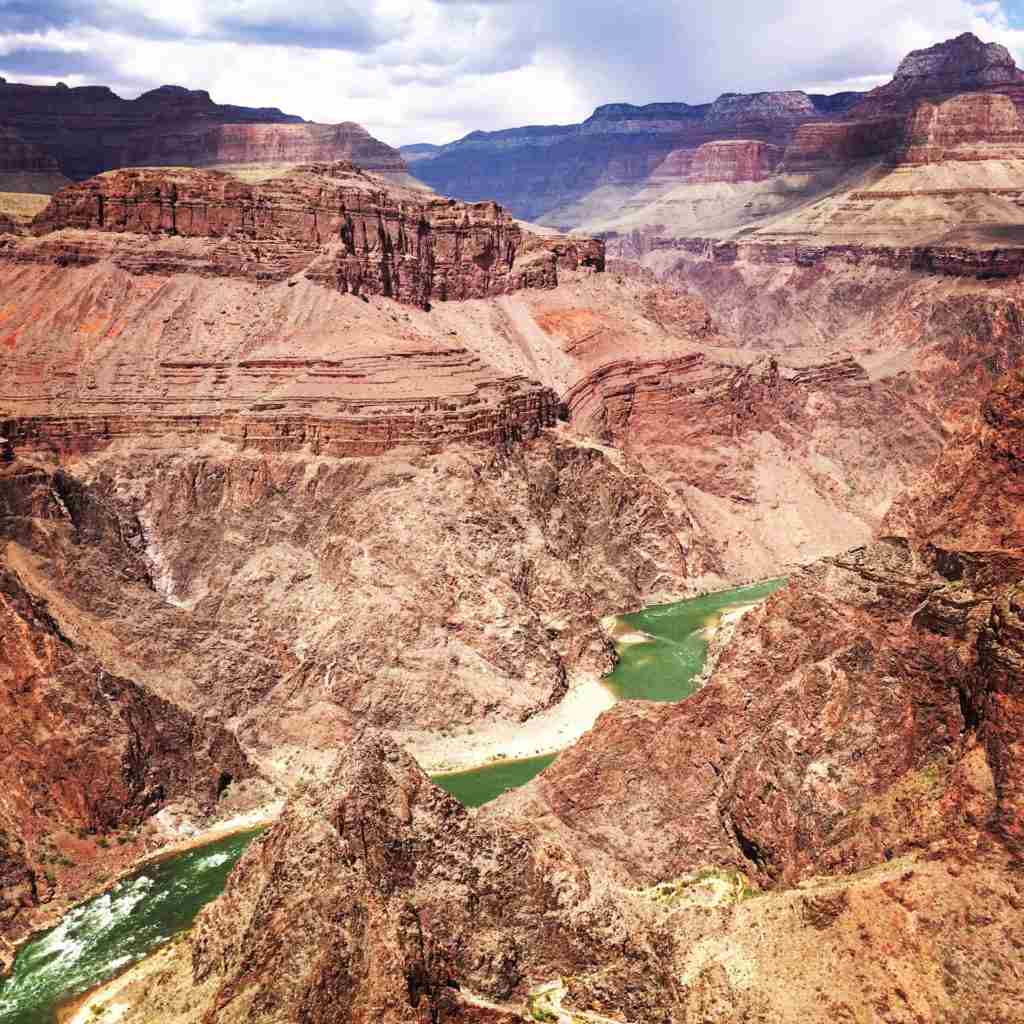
(827, 831)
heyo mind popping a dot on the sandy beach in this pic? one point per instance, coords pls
(547, 733)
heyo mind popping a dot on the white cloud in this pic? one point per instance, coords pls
(432, 70)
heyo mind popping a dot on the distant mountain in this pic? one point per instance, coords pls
(84, 131)
(539, 171)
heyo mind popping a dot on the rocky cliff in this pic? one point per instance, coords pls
(973, 126)
(86, 130)
(256, 341)
(543, 173)
(342, 226)
(963, 64)
(734, 161)
(828, 830)
(83, 749)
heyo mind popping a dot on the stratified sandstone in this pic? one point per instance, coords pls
(559, 174)
(18, 155)
(957, 65)
(734, 161)
(255, 333)
(821, 831)
(340, 225)
(973, 126)
(86, 130)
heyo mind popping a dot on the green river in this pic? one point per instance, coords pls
(101, 937)
(664, 668)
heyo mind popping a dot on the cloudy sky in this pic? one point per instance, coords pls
(432, 70)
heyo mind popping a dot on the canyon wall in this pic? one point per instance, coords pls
(829, 829)
(309, 371)
(90, 129)
(83, 750)
(380, 241)
(541, 172)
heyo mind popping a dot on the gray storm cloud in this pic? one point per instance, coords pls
(433, 69)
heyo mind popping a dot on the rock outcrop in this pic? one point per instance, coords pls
(829, 829)
(83, 749)
(340, 225)
(541, 173)
(86, 130)
(973, 126)
(963, 64)
(18, 155)
(733, 162)
(309, 371)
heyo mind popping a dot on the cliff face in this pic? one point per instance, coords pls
(734, 162)
(18, 155)
(540, 172)
(974, 126)
(781, 767)
(87, 130)
(832, 819)
(83, 749)
(341, 226)
(256, 340)
(963, 64)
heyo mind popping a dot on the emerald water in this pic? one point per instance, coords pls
(98, 939)
(482, 785)
(666, 667)
(118, 928)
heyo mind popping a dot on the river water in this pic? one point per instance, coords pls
(101, 937)
(663, 668)
(98, 939)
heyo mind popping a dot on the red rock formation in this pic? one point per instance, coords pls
(87, 130)
(18, 155)
(860, 736)
(734, 161)
(741, 110)
(838, 143)
(345, 228)
(329, 229)
(285, 143)
(81, 748)
(872, 707)
(963, 64)
(956, 261)
(974, 126)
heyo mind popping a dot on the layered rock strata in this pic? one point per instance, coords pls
(733, 162)
(215, 305)
(553, 173)
(86, 130)
(963, 64)
(782, 782)
(830, 828)
(342, 226)
(955, 261)
(973, 126)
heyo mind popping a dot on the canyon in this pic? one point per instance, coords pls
(829, 827)
(313, 472)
